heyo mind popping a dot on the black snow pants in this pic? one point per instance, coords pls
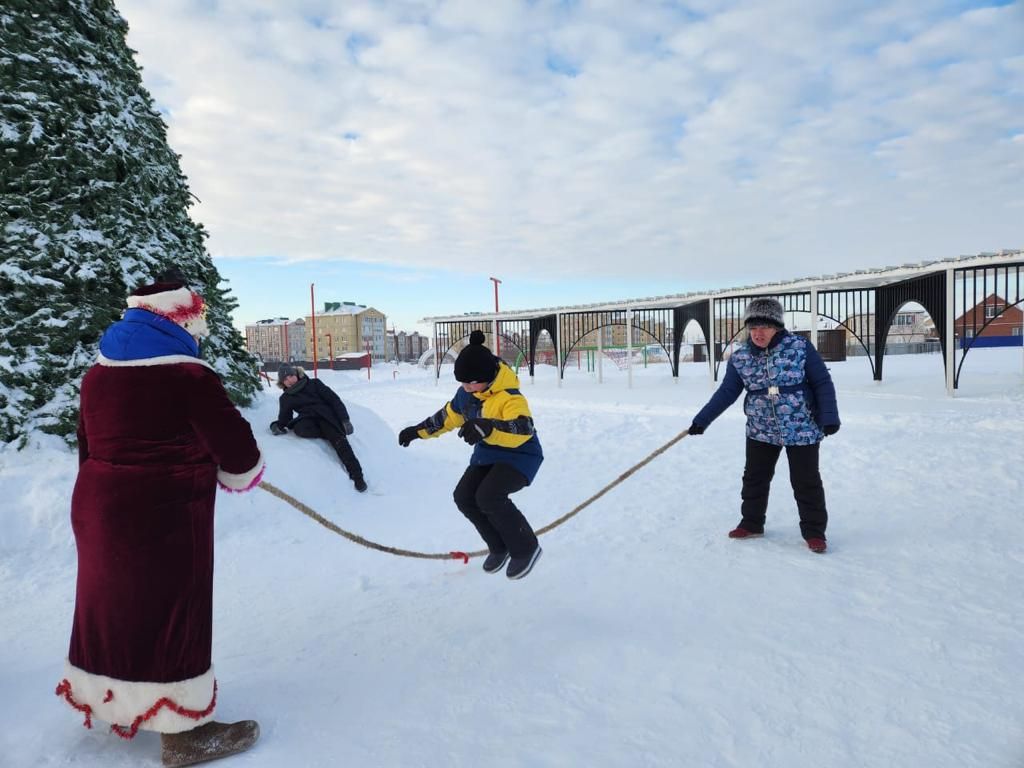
(803, 476)
(312, 427)
(482, 495)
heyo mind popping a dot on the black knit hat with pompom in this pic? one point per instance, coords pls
(476, 363)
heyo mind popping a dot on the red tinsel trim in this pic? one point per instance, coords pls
(192, 714)
(249, 487)
(64, 689)
(180, 313)
(109, 696)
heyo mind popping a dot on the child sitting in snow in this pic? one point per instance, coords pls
(320, 413)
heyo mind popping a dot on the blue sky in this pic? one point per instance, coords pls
(284, 288)
(400, 153)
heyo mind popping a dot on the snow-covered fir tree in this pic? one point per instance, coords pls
(94, 203)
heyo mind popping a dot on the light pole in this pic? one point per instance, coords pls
(497, 338)
(312, 310)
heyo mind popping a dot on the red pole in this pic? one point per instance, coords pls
(312, 307)
(285, 354)
(497, 338)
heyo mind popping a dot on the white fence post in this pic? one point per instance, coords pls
(814, 317)
(711, 339)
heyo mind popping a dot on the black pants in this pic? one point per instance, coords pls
(482, 496)
(311, 426)
(803, 476)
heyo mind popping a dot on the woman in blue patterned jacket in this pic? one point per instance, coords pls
(790, 403)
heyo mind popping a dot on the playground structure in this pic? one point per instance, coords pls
(864, 304)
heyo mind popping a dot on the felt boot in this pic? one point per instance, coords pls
(209, 741)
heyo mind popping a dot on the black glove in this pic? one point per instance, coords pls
(347, 426)
(695, 429)
(475, 430)
(830, 429)
(276, 428)
(407, 435)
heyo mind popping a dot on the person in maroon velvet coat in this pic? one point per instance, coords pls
(157, 434)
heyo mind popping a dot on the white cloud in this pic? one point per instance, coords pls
(763, 140)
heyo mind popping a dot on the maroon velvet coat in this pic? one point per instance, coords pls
(155, 437)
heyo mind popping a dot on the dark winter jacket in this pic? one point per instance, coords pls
(311, 398)
(805, 401)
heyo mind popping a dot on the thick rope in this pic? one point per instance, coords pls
(357, 539)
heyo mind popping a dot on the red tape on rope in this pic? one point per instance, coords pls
(456, 555)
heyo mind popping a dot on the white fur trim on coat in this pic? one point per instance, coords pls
(127, 701)
(196, 326)
(242, 481)
(162, 360)
(163, 303)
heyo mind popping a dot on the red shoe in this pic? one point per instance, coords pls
(817, 545)
(743, 533)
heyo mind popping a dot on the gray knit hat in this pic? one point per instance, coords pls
(285, 371)
(764, 312)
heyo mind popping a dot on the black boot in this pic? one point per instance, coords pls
(350, 462)
(495, 561)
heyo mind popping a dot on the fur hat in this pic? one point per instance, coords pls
(170, 298)
(476, 363)
(764, 312)
(286, 370)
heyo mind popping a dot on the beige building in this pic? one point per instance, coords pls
(615, 335)
(908, 326)
(277, 339)
(347, 327)
(406, 347)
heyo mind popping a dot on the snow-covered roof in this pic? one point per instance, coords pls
(279, 321)
(862, 278)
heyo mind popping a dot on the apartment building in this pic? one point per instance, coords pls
(406, 347)
(277, 339)
(344, 326)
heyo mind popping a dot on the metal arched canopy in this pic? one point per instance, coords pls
(864, 303)
(860, 279)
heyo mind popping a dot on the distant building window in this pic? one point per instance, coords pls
(991, 310)
(970, 333)
(1015, 332)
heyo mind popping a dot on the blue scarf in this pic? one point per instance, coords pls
(142, 334)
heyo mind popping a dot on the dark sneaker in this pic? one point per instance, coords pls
(495, 561)
(520, 566)
(817, 545)
(360, 484)
(743, 533)
(209, 741)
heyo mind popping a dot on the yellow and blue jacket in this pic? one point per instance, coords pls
(513, 441)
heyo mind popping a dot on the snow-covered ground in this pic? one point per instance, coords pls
(644, 637)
